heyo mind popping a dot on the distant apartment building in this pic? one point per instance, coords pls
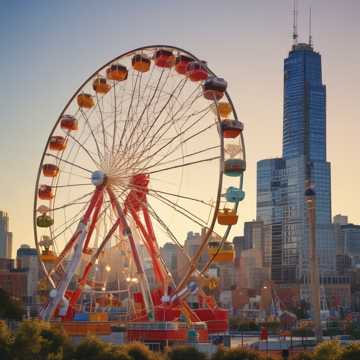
(171, 255)
(27, 261)
(5, 236)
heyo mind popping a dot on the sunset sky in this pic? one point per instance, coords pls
(48, 48)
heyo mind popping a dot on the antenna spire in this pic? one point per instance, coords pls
(295, 20)
(310, 36)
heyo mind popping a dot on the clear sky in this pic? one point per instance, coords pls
(48, 48)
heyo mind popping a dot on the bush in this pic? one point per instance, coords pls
(238, 353)
(39, 340)
(185, 352)
(10, 308)
(5, 341)
(328, 350)
(351, 352)
(303, 356)
(138, 351)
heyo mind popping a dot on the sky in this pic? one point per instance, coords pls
(49, 48)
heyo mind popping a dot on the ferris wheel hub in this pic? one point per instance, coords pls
(98, 178)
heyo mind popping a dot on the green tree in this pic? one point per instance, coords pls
(38, 340)
(303, 356)
(238, 353)
(5, 341)
(351, 352)
(328, 350)
(185, 352)
(138, 351)
(10, 308)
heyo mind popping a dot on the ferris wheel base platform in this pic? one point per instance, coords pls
(157, 331)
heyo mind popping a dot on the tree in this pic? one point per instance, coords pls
(185, 352)
(10, 308)
(328, 350)
(138, 351)
(238, 353)
(351, 352)
(5, 341)
(39, 340)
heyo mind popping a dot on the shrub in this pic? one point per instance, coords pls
(303, 356)
(328, 350)
(238, 353)
(5, 341)
(185, 352)
(351, 352)
(39, 340)
(138, 351)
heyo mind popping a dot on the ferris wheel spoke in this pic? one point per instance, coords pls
(147, 105)
(144, 136)
(128, 114)
(179, 208)
(184, 165)
(160, 163)
(69, 162)
(154, 142)
(84, 148)
(87, 122)
(152, 155)
(101, 120)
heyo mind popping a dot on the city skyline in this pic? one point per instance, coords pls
(254, 73)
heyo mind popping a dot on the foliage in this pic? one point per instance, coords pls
(39, 340)
(238, 353)
(138, 351)
(5, 341)
(351, 352)
(303, 356)
(10, 309)
(328, 350)
(184, 352)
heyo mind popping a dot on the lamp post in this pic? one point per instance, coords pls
(314, 266)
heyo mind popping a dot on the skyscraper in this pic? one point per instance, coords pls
(5, 236)
(281, 182)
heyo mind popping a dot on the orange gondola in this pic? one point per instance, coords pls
(85, 101)
(45, 192)
(101, 86)
(69, 123)
(50, 170)
(164, 58)
(181, 64)
(57, 143)
(141, 63)
(227, 217)
(117, 72)
(196, 71)
(224, 109)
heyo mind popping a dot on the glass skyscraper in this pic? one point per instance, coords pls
(281, 182)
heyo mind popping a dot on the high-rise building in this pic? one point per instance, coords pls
(5, 236)
(281, 182)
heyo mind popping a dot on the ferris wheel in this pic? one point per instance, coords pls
(148, 148)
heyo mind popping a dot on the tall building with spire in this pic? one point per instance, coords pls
(281, 182)
(5, 236)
